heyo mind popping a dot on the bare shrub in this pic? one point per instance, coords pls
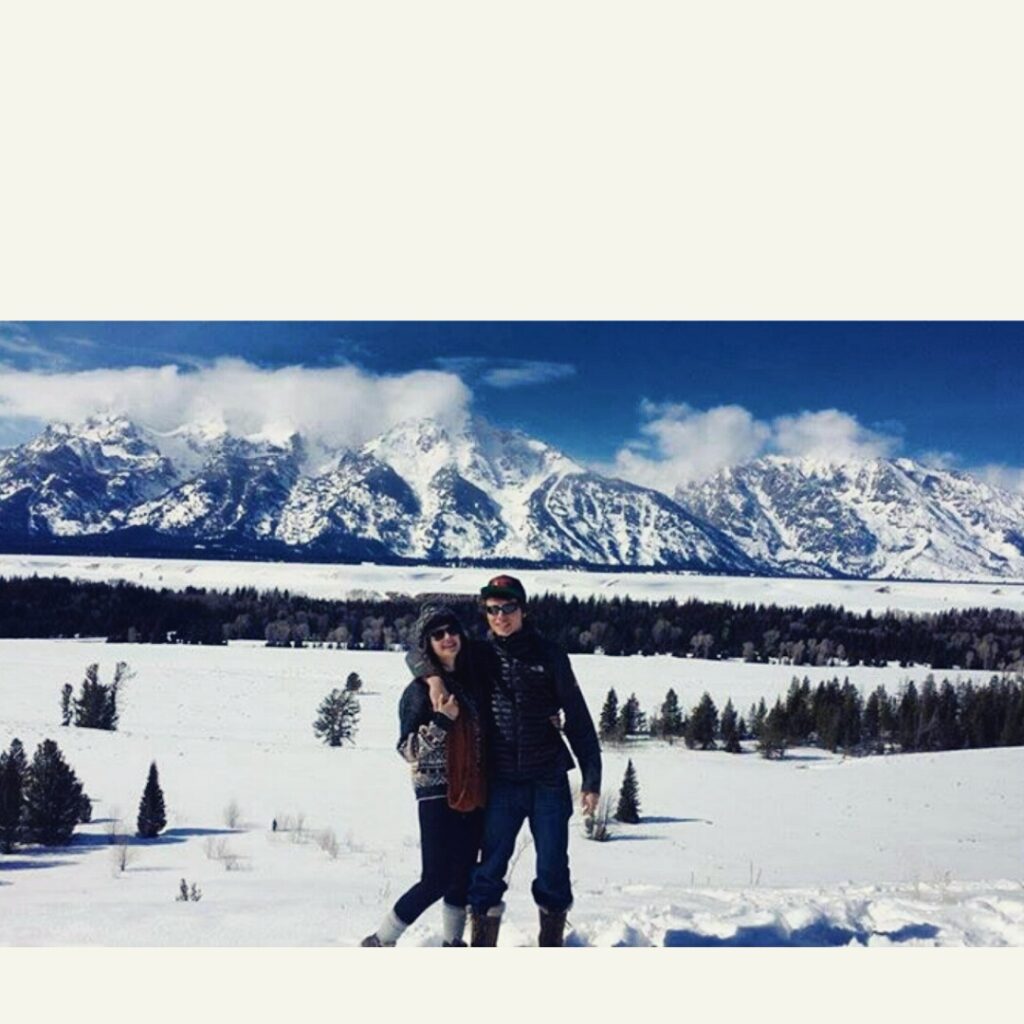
(215, 848)
(597, 826)
(232, 814)
(122, 854)
(328, 842)
(188, 893)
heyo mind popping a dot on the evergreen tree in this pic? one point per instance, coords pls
(152, 816)
(337, 717)
(950, 734)
(757, 717)
(798, 710)
(1012, 734)
(730, 729)
(96, 705)
(671, 715)
(772, 741)
(85, 809)
(702, 724)
(906, 724)
(849, 716)
(629, 797)
(65, 704)
(630, 718)
(53, 797)
(12, 797)
(609, 716)
(353, 684)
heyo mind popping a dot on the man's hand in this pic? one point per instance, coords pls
(438, 691)
(449, 706)
(588, 801)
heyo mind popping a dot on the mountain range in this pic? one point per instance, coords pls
(473, 493)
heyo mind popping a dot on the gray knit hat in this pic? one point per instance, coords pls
(432, 616)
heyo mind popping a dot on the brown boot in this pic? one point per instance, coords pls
(484, 928)
(552, 926)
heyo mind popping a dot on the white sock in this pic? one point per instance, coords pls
(390, 929)
(453, 922)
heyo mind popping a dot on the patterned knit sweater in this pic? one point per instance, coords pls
(423, 741)
(423, 737)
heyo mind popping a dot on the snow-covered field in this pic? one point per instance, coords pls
(815, 850)
(339, 581)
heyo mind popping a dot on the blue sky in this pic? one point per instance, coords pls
(643, 399)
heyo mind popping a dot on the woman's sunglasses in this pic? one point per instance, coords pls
(440, 634)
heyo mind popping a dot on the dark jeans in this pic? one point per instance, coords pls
(449, 843)
(548, 808)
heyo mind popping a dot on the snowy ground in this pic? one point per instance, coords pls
(812, 851)
(338, 581)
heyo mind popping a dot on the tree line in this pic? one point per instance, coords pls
(989, 639)
(835, 716)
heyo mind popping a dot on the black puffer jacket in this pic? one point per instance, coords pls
(527, 679)
(534, 681)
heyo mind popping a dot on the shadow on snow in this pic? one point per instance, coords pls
(820, 933)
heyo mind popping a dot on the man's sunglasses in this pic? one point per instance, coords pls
(440, 634)
(508, 608)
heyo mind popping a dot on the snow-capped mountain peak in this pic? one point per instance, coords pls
(869, 517)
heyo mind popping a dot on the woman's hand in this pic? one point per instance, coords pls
(449, 706)
(438, 691)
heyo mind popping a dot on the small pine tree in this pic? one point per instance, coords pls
(702, 724)
(12, 797)
(152, 816)
(773, 737)
(353, 684)
(628, 810)
(53, 797)
(730, 729)
(757, 716)
(631, 719)
(337, 718)
(65, 704)
(85, 809)
(96, 705)
(671, 715)
(609, 716)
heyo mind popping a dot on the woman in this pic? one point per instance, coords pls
(441, 738)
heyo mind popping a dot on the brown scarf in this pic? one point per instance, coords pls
(467, 788)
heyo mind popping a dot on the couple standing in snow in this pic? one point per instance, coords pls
(478, 726)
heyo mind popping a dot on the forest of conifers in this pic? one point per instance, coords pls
(990, 639)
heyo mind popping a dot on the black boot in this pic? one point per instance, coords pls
(455, 942)
(552, 926)
(484, 929)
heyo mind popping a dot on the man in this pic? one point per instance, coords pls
(529, 681)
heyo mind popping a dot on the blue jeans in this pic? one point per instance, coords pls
(547, 807)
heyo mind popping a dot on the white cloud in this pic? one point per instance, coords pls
(829, 434)
(685, 444)
(527, 372)
(682, 445)
(341, 405)
(1009, 478)
(505, 373)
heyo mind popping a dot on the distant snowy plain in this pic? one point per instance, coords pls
(814, 850)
